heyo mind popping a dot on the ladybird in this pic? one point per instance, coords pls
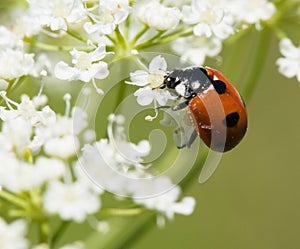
(215, 107)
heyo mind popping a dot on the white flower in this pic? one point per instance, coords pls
(87, 66)
(289, 65)
(152, 78)
(110, 14)
(208, 19)
(3, 84)
(47, 169)
(79, 119)
(118, 152)
(195, 49)
(110, 161)
(73, 201)
(252, 11)
(146, 95)
(83, 178)
(26, 24)
(12, 236)
(21, 124)
(17, 175)
(15, 63)
(56, 14)
(8, 38)
(59, 135)
(42, 63)
(16, 133)
(167, 202)
(27, 128)
(62, 147)
(157, 16)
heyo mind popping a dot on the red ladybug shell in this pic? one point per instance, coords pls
(219, 114)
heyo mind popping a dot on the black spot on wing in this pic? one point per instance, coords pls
(231, 119)
(219, 86)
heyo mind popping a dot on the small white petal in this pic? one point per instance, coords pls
(64, 72)
(99, 53)
(64, 147)
(90, 28)
(287, 48)
(202, 29)
(288, 67)
(143, 147)
(144, 96)
(79, 119)
(101, 69)
(138, 78)
(162, 96)
(158, 64)
(58, 24)
(185, 207)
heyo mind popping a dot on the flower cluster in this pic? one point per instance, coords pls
(289, 66)
(109, 160)
(47, 45)
(37, 156)
(36, 150)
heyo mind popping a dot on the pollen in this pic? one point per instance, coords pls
(84, 61)
(155, 80)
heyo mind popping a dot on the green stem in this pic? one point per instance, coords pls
(139, 34)
(123, 212)
(151, 42)
(12, 85)
(160, 39)
(255, 68)
(49, 47)
(58, 233)
(75, 35)
(44, 230)
(127, 26)
(111, 39)
(170, 38)
(121, 39)
(13, 199)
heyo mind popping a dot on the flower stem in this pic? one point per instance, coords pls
(58, 233)
(159, 38)
(121, 39)
(54, 48)
(123, 212)
(255, 67)
(139, 34)
(13, 199)
(76, 36)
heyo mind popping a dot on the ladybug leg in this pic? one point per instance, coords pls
(192, 138)
(180, 106)
(175, 107)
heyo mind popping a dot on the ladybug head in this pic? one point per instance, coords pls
(173, 79)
